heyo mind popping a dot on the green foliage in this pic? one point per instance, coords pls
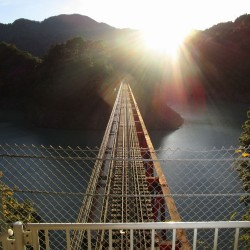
(75, 50)
(69, 79)
(244, 173)
(17, 70)
(14, 210)
(61, 89)
(68, 83)
(221, 54)
(245, 136)
(246, 236)
(37, 37)
(244, 167)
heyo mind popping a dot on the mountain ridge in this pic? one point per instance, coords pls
(213, 66)
(36, 37)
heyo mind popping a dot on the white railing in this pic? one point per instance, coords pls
(28, 235)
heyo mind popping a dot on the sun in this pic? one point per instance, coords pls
(165, 40)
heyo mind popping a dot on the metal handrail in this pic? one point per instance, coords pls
(29, 232)
(141, 225)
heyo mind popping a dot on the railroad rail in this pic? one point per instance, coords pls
(121, 182)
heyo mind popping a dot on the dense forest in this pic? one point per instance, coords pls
(37, 37)
(222, 53)
(60, 90)
(73, 79)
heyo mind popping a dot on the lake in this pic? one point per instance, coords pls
(14, 129)
(207, 127)
(215, 125)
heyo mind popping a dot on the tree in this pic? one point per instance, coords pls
(244, 167)
(244, 173)
(245, 136)
(14, 210)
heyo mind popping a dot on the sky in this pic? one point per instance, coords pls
(137, 14)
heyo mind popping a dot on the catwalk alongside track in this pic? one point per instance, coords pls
(122, 182)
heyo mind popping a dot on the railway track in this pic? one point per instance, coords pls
(119, 189)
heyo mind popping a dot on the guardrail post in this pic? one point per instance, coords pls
(18, 233)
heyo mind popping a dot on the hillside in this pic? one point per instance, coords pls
(221, 54)
(37, 37)
(73, 85)
(16, 74)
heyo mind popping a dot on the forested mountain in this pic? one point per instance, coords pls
(222, 54)
(74, 83)
(62, 90)
(74, 86)
(71, 86)
(37, 37)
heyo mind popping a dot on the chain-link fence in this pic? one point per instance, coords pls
(50, 184)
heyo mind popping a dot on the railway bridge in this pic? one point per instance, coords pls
(125, 182)
(117, 197)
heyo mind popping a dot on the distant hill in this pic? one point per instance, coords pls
(73, 87)
(75, 78)
(220, 55)
(37, 37)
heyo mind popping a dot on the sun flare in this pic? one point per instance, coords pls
(164, 41)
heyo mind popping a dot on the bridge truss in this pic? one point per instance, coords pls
(124, 177)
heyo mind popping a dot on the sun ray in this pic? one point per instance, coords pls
(165, 41)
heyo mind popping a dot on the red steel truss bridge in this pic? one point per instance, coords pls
(125, 182)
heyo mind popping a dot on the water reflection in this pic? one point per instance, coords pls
(14, 129)
(215, 125)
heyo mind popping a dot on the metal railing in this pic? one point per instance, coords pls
(28, 235)
(48, 185)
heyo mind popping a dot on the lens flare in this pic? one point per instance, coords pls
(165, 41)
